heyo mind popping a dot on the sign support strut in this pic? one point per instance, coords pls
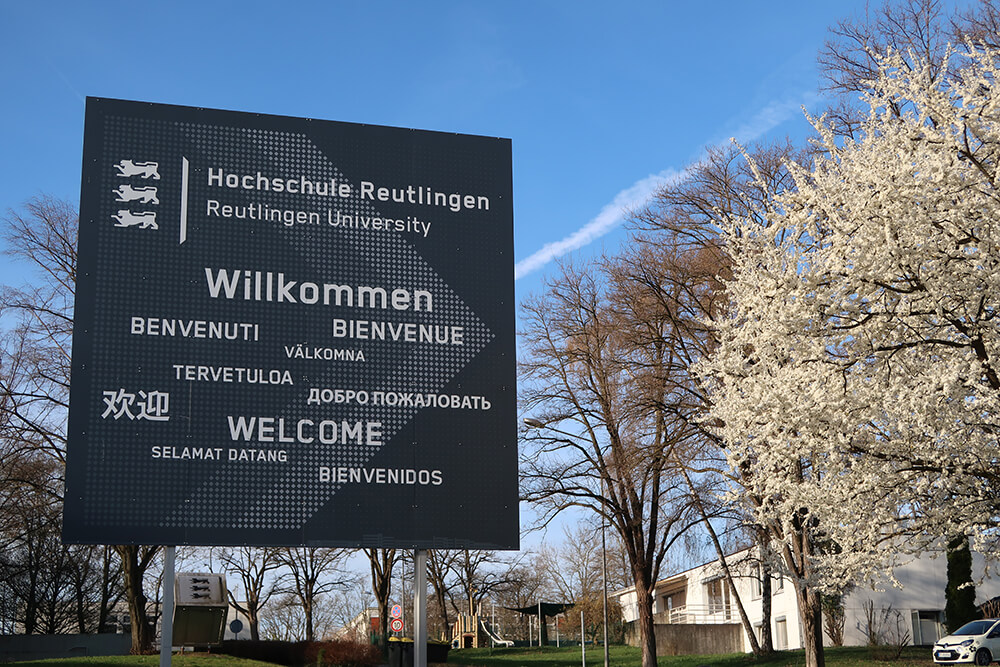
(167, 620)
(420, 608)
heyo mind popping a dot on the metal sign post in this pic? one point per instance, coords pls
(420, 608)
(540, 621)
(167, 620)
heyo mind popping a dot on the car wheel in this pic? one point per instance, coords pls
(983, 657)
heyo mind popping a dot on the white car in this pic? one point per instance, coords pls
(976, 642)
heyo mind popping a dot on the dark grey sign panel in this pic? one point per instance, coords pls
(291, 332)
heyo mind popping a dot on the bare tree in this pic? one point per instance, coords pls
(347, 603)
(574, 572)
(728, 183)
(112, 585)
(309, 579)
(34, 384)
(849, 59)
(681, 265)
(283, 619)
(33, 563)
(381, 562)
(573, 568)
(522, 587)
(440, 564)
(255, 568)
(599, 384)
(477, 574)
(922, 31)
(35, 370)
(979, 23)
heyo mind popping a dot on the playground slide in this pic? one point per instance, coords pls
(497, 641)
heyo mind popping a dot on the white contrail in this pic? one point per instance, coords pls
(771, 116)
(613, 214)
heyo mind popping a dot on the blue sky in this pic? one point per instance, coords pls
(602, 101)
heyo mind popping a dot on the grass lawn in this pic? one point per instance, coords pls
(626, 656)
(619, 656)
(178, 660)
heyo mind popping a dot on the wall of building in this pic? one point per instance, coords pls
(908, 608)
(16, 648)
(916, 597)
(784, 621)
(691, 639)
(243, 626)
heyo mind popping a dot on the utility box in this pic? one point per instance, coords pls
(200, 608)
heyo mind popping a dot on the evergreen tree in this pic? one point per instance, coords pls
(960, 593)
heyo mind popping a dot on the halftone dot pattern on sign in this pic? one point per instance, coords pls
(289, 494)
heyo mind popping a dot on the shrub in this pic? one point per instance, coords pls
(306, 654)
(342, 654)
(277, 652)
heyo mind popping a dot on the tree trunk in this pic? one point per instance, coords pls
(31, 603)
(307, 608)
(80, 600)
(766, 641)
(647, 633)
(724, 564)
(442, 601)
(253, 619)
(380, 562)
(142, 629)
(383, 622)
(250, 611)
(797, 553)
(436, 573)
(142, 634)
(107, 585)
(811, 618)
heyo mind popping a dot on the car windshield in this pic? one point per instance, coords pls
(975, 628)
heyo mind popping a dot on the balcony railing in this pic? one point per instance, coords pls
(697, 614)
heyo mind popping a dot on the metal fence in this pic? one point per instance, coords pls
(696, 614)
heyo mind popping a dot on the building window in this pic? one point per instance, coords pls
(666, 603)
(780, 634)
(756, 582)
(717, 595)
(926, 626)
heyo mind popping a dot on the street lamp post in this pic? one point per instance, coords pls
(531, 422)
(604, 580)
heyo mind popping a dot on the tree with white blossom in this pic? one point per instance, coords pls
(856, 386)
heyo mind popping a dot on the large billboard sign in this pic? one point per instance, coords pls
(291, 332)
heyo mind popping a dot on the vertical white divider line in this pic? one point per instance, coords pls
(184, 199)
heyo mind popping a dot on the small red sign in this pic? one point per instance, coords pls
(396, 625)
(396, 611)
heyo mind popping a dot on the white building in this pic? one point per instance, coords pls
(912, 611)
(361, 628)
